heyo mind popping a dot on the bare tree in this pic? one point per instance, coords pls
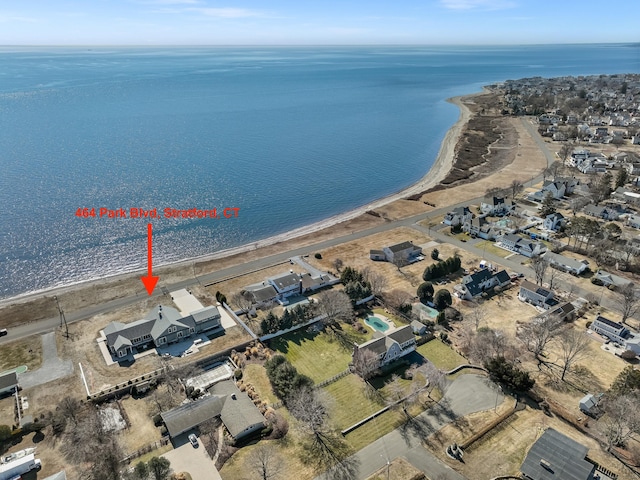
(573, 346)
(477, 314)
(399, 262)
(210, 436)
(243, 301)
(537, 334)
(539, 265)
(265, 462)
(488, 343)
(435, 377)
(627, 250)
(337, 264)
(377, 282)
(622, 419)
(516, 188)
(628, 297)
(336, 305)
(397, 299)
(554, 275)
(565, 152)
(69, 407)
(365, 362)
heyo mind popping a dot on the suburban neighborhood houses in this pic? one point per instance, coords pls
(491, 337)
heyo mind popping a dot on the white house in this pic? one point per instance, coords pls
(554, 221)
(523, 246)
(286, 285)
(609, 279)
(495, 205)
(570, 265)
(536, 295)
(474, 284)
(404, 252)
(457, 216)
(479, 227)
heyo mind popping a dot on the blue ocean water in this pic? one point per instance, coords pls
(290, 136)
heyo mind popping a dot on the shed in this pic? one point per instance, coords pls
(589, 404)
(418, 328)
(8, 382)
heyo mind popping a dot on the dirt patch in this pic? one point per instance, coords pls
(399, 469)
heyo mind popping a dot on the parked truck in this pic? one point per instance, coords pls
(19, 466)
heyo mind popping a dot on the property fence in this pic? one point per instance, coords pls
(150, 447)
(324, 383)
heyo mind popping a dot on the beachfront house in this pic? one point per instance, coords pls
(8, 383)
(457, 216)
(389, 346)
(554, 221)
(286, 285)
(480, 227)
(405, 252)
(496, 206)
(161, 326)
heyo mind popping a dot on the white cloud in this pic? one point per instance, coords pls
(228, 12)
(477, 4)
(8, 17)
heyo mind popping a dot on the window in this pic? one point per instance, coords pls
(192, 330)
(172, 329)
(146, 337)
(122, 353)
(180, 334)
(162, 340)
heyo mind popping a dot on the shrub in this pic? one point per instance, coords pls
(442, 299)
(597, 281)
(5, 432)
(500, 370)
(238, 374)
(435, 253)
(589, 324)
(425, 292)
(157, 420)
(628, 355)
(318, 256)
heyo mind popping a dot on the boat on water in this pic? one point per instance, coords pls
(16, 455)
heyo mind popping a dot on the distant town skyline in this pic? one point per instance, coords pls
(330, 22)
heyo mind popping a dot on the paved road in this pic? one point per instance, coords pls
(52, 367)
(466, 394)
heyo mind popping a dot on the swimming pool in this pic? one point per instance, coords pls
(432, 313)
(377, 324)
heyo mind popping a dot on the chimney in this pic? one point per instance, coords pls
(233, 396)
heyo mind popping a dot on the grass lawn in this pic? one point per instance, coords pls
(24, 352)
(257, 376)
(319, 355)
(488, 246)
(441, 355)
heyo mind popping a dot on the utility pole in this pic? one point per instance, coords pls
(63, 319)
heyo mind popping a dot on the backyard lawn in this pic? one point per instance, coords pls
(319, 355)
(441, 355)
(489, 247)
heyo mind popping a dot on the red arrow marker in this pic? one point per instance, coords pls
(149, 281)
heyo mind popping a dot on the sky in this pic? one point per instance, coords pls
(317, 22)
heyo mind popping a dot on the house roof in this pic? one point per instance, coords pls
(376, 252)
(376, 345)
(563, 458)
(562, 260)
(8, 380)
(284, 282)
(612, 278)
(190, 415)
(402, 334)
(503, 276)
(609, 323)
(400, 247)
(238, 411)
(532, 287)
(263, 294)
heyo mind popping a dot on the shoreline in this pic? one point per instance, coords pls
(437, 172)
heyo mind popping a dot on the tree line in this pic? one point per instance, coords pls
(440, 269)
(291, 317)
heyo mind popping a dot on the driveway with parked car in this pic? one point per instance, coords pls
(187, 457)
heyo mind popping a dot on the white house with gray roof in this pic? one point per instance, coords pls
(390, 345)
(402, 252)
(161, 326)
(476, 283)
(566, 264)
(536, 295)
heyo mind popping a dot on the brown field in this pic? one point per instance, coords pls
(23, 352)
(141, 429)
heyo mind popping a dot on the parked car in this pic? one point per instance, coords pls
(3, 332)
(194, 440)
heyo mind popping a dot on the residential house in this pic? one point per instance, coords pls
(161, 326)
(600, 211)
(377, 255)
(536, 295)
(554, 221)
(418, 328)
(570, 184)
(261, 295)
(635, 140)
(480, 227)
(474, 284)
(457, 216)
(556, 189)
(564, 311)
(555, 456)
(566, 264)
(609, 279)
(625, 195)
(616, 332)
(492, 205)
(286, 285)
(523, 246)
(237, 411)
(405, 252)
(632, 168)
(312, 283)
(633, 221)
(8, 382)
(390, 345)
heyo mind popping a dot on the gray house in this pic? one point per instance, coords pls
(474, 284)
(391, 345)
(570, 265)
(236, 410)
(403, 252)
(161, 326)
(8, 382)
(536, 295)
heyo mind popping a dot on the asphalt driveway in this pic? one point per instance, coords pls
(185, 458)
(53, 367)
